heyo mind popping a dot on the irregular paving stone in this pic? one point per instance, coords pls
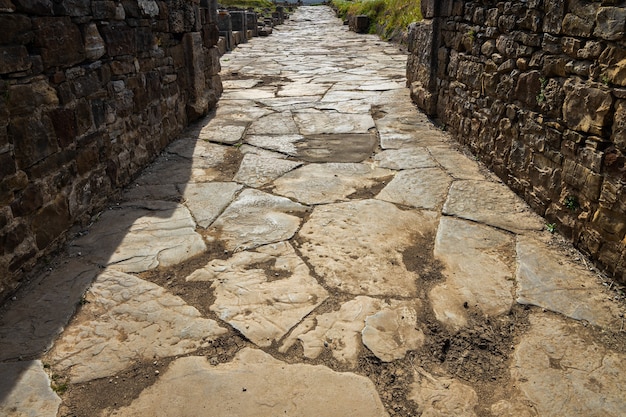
(327, 183)
(207, 200)
(458, 165)
(151, 192)
(223, 131)
(478, 270)
(262, 304)
(240, 110)
(32, 322)
(285, 144)
(256, 218)
(564, 373)
(421, 188)
(357, 247)
(505, 408)
(255, 385)
(336, 148)
(257, 170)
(303, 89)
(442, 397)
(391, 332)
(124, 320)
(274, 124)
(411, 158)
(546, 278)
(25, 391)
(139, 236)
(323, 123)
(491, 203)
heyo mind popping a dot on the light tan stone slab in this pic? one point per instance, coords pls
(256, 218)
(25, 391)
(491, 203)
(357, 247)
(207, 200)
(223, 132)
(327, 183)
(411, 158)
(333, 123)
(240, 84)
(124, 320)
(421, 188)
(139, 236)
(303, 89)
(249, 94)
(349, 106)
(392, 332)
(442, 397)
(478, 266)
(285, 144)
(548, 278)
(457, 164)
(565, 374)
(262, 304)
(257, 170)
(274, 124)
(255, 385)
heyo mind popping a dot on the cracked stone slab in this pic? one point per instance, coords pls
(25, 391)
(207, 200)
(357, 247)
(564, 373)
(411, 158)
(126, 319)
(442, 396)
(139, 236)
(223, 131)
(546, 278)
(328, 183)
(337, 147)
(458, 165)
(303, 89)
(478, 266)
(421, 188)
(285, 144)
(262, 304)
(274, 124)
(491, 203)
(255, 385)
(32, 322)
(324, 123)
(258, 170)
(256, 218)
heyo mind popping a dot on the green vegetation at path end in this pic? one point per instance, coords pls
(389, 18)
(257, 5)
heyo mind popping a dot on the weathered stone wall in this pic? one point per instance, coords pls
(537, 89)
(90, 92)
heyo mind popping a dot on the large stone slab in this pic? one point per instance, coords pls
(124, 320)
(548, 279)
(285, 144)
(274, 124)
(411, 158)
(301, 89)
(345, 147)
(323, 123)
(564, 372)
(357, 247)
(25, 391)
(263, 304)
(328, 183)
(207, 200)
(258, 170)
(139, 236)
(421, 188)
(479, 271)
(442, 396)
(256, 218)
(223, 131)
(491, 203)
(255, 385)
(457, 164)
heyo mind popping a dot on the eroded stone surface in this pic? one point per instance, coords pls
(421, 188)
(262, 304)
(256, 218)
(546, 278)
(139, 236)
(357, 246)
(126, 319)
(442, 397)
(478, 262)
(411, 158)
(491, 203)
(327, 183)
(333, 123)
(207, 200)
(280, 143)
(255, 385)
(458, 165)
(345, 147)
(25, 391)
(258, 170)
(564, 374)
(274, 124)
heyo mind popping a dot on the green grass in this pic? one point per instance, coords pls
(389, 17)
(257, 5)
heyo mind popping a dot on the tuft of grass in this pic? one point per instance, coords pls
(257, 5)
(388, 17)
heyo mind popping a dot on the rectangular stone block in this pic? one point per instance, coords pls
(59, 40)
(14, 59)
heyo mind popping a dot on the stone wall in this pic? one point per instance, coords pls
(537, 90)
(90, 92)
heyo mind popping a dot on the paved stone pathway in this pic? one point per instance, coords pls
(316, 248)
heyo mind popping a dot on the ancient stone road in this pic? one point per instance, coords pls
(315, 248)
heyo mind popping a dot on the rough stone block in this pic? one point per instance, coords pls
(610, 23)
(72, 8)
(94, 44)
(103, 10)
(13, 28)
(33, 140)
(27, 201)
(23, 99)
(619, 126)
(64, 122)
(59, 40)
(14, 59)
(51, 221)
(586, 108)
(36, 7)
(119, 39)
